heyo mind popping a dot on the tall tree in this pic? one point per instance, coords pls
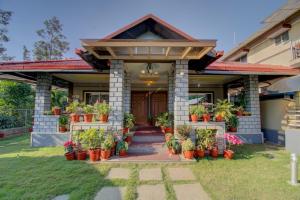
(5, 17)
(26, 53)
(52, 45)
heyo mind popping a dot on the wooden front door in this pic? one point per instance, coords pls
(139, 107)
(158, 103)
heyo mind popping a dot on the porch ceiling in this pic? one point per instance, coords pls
(212, 79)
(84, 78)
(145, 49)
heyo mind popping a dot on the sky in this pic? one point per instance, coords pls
(202, 19)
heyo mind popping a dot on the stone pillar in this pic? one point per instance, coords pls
(171, 93)
(116, 87)
(181, 93)
(127, 93)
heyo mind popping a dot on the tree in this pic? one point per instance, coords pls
(5, 17)
(26, 53)
(52, 45)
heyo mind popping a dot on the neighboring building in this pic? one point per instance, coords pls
(276, 43)
(145, 68)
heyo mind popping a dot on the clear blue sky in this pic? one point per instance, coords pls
(202, 19)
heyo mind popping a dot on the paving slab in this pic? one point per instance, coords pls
(150, 174)
(62, 197)
(193, 191)
(181, 173)
(151, 192)
(111, 193)
(118, 173)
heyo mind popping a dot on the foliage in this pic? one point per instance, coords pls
(184, 131)
(16, 95)
(5, 17)
(205, 138)
(188, 145)
(26, 54)
(174, 144)
(129, 120)
(108, 142)
(232, 140)
(7, 121)
(52, 45)
(102, 108)
(122, 145)
(88, 109)
(242, 100)
(224, 108)
(63, 120)
(69, 146)
(164, 119)
(198, 110)
(233, 122)
(92, 137)
(74, 107)
(58, 98)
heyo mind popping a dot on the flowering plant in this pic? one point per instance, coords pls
(232, 140)
(69, 146)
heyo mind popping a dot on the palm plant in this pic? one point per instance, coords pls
(224, 109)
(58, 98)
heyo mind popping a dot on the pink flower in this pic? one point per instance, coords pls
(68, 143)
(233, 139)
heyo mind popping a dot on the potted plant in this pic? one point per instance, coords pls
(195, 112)
(92, 138)
(128, 122)
(183, 131)
(239, 111)
(103, 110)
(74, 109)
(56, 110)
(232, 123)
(163, 121)
(205, 139)
(188, 148)
(63, 121)
(106, 146)
(58, 98)
(231, 140)
(69, 150)
(173, 145)
(168, 136)
(80, 153)
(205, 113)
(88, 111)
(223, 110)
(122, 148)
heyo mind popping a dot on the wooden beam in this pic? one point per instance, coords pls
(110, 50)
(168, 51)
(203, 52)
(130, 51)
(93, 52)
(146, 57)
(185, 52)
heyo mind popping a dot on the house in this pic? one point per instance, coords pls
(145, 68)
(277, 42)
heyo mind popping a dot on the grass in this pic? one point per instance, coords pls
(258, 172)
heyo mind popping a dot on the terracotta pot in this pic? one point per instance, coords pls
(228, 154)
(98, 151)
(81, 155)
(112, 151)
(105, 154)
(239, 113)
(194, 118)
(93, 155)
(88, 118)
(219, 118)
(170, 152)
(206, 117)
(70, 156)
(125, 130)
(188, 154)
(162, 128)
(122, 153)
(56, 111)
(214, 152)
(75, 117)
(128, 139)
(168, 130)
(62, 129)
(173, 151)
(232, 129)
(30, 129)
(103, 118)
(200, 153)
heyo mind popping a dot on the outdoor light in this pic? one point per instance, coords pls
(155, 73)
(181, 73)
(143, 72)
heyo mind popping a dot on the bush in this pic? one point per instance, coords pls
(7, 121)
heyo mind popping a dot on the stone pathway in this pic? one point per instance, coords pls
(118, 173)
(192, 191)
(150, 174)
(151, 192)
(181, 173)
(111, 193)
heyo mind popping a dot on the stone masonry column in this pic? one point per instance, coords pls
(171, 92)
(42, 99)
(181, 93)
(116, 87)
(127, 93)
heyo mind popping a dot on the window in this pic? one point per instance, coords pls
(242, 59)
(92, 97)
(283, 37)
(201, 97)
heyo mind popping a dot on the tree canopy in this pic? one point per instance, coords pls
(5, 17)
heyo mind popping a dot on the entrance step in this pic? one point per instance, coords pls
(150, 139)
(146, 148)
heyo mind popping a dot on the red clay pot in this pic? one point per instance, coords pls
(162, 128)
(228, 154)
(103, 118)
(105, 154)
(125, 130)
(206, 117)
(188, 154)
(239, 113)
(128, 139)
(56, 111)
(98, 154)
(194, 118)
(122, 153)
(70, 156)
(93, 155)
(200, 153)
(75, 117)
(219, 118)
(62, 129)
(232, 129)
(168, 130)
(214, 152)
(88, 118)
(81, 155)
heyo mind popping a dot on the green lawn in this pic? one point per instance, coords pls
(259, 172)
